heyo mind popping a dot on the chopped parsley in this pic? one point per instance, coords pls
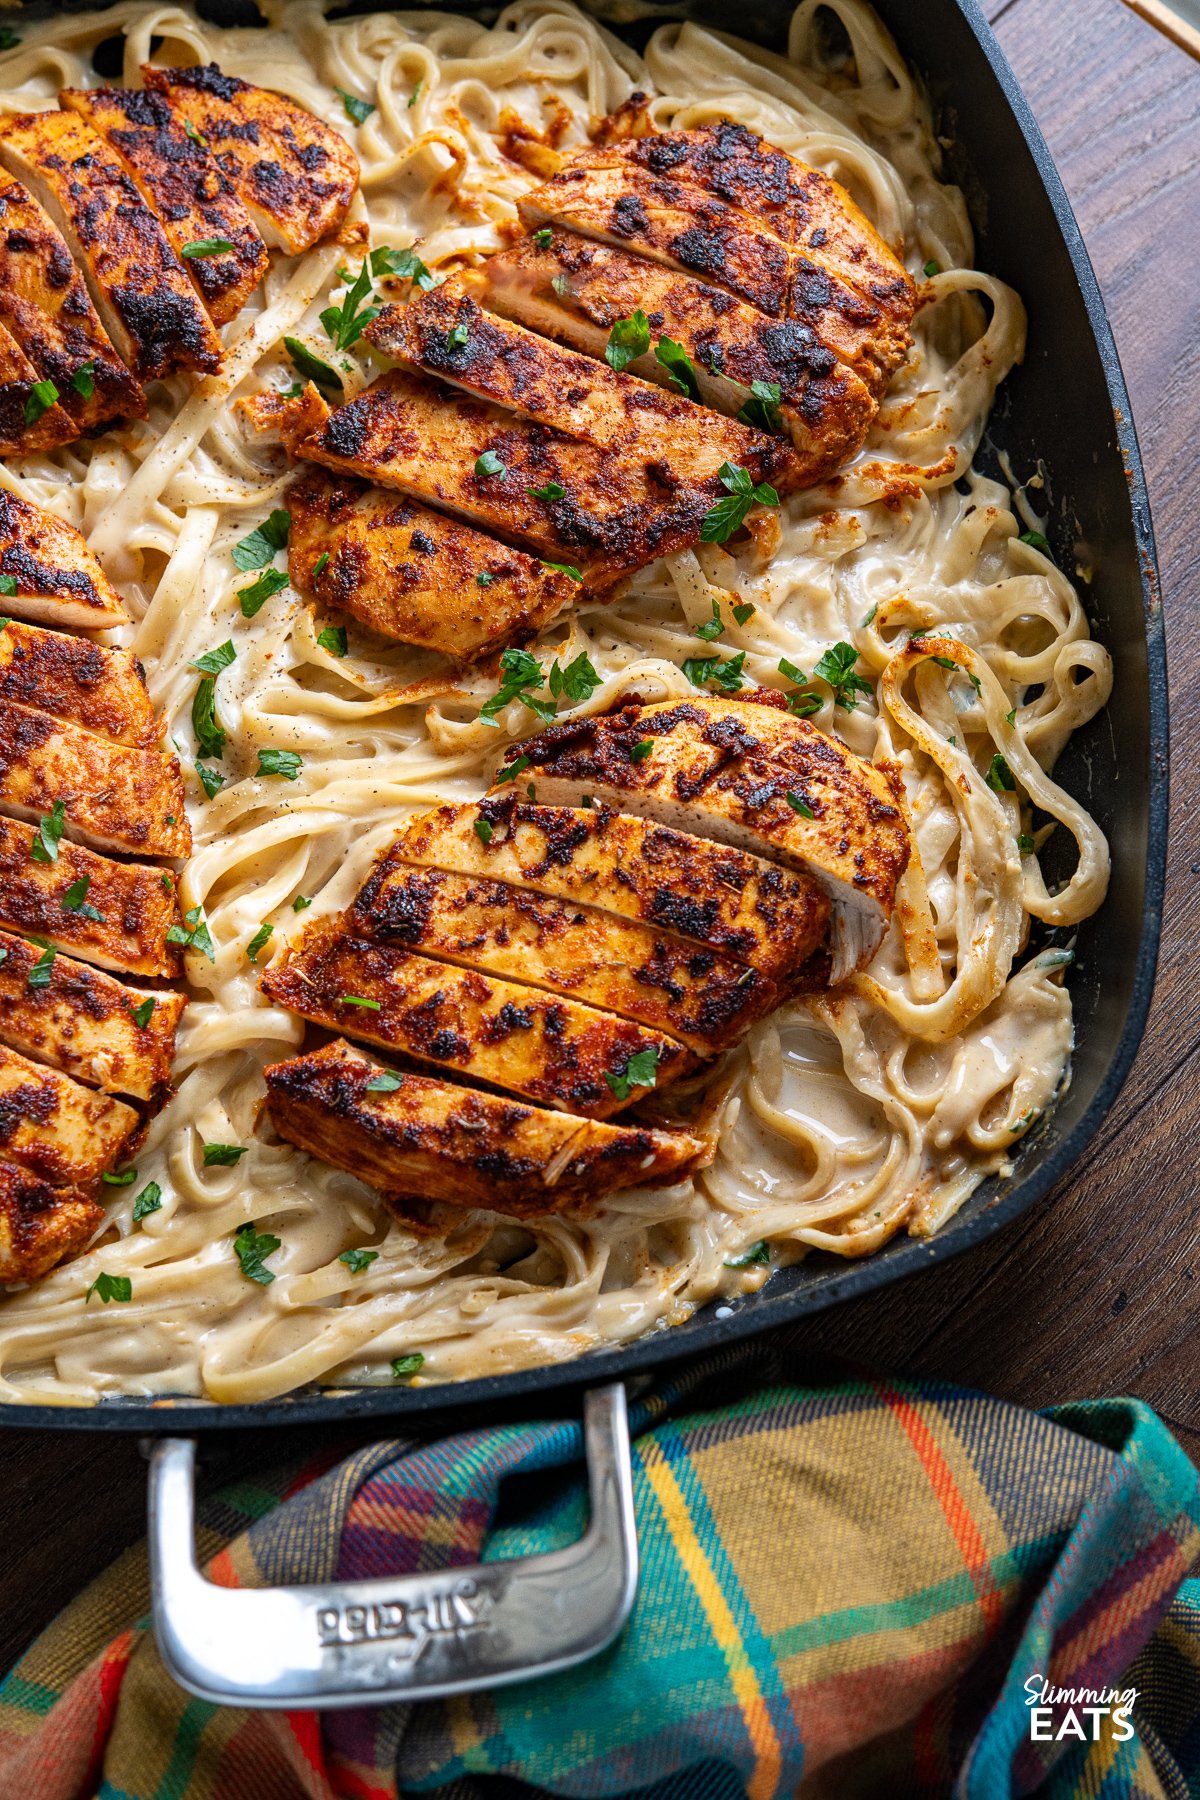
(251, 1248)
(521, 674)
(711, 628)
(543, 238)
(358, 1260)
(576, 681)
(757, 1253)
(484, 579)
(401, 265)
(8, 585)
(344, 324)
(142, 1015)
(564, 569)
(729, 513)
(48, 836)
(744, 612)
(40, 398)
(42, 970)
(333, 639)
(210, 733)
(286, 764)
(356, 110)
(119, 1177)
(484, 830)
(490, 464)
(415, 95)
(511, 770)
(933, 267)
(147, 1202)
(680, 372)
(762, 408)
(9, 39)
(641, 1071)
(84, 380)
(213, 661)
(384, 1081)
(259, 941)
(1025, 844)
(404, 1366)
(641, 750)
(252, 599)
(999, 776)
(194, 933)
(800, 806)
(321, 563)
(201, 247)
(221, 1156)
(211, 780)
(628, 339)
(110, 1287)
(301, 903)
(311, 366)
(196, 136)
(837, 667)
(258, 548)
(551, 491)
(1010, 718)
(725, 672)
(1037, 540)
(869, 618)
(75, 900)
(459, 336)
(357, 1000)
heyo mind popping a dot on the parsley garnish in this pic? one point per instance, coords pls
(1025, 844)
(837, 667)
(744, 612)
(1037, 539)
(357, 1000)
(728, 514)
(357, 110)
(333, 639)
(194, 933)
(301, 903)
(147, 1202)
(142, 1015)
(384, 1081)
(762, 408)
(42, 970)
(543, 238)
(252, 599)
(284, 763)
(628, 339)
(641, 750)
(221, 1156)
(84, 380)
(8, 585)
(211, 780)
(344, 324)
(563, 569)
(521, 674)
(999, 776)
(575, 682)
(358, 1260)
(40, 398)
(725, 672)
(196, 136)
(320, 563)
(210, 733)
(258, 549)
(402, 265)
(8, 38)
(678, 364)
(711, 628)
(306, 363)
(484, 578)
(201, 247)
(641, 1071)
(110, 1287)
(213, 661)
(259, 941)
(48, 836)
(119, 1177)
(459, 336)
(407, 1365)
(551, 491)
(800, 806)
(757, 1253)
(511, 771)
(415, 95)
(933, 267)
(75, 900)
(251, 1248)
(484, 830)
(490, 464)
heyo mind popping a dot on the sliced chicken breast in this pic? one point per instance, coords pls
(113, 797)
(705, 999)
(551, 1050)
(603, 512)
(44, 303)
(30, 418)
(102, 690)
(85, 1023)
(56, 901)
(447, 334)
(767, 917)
(141, 291)
(40, 1225)
(185, 186)
(411, 574)
(295, 175)
(58, 580)
(56, 1129)
(578, 291)
(754, 776)
(433, 1140)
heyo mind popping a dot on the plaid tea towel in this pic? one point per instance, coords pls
(861, 1588)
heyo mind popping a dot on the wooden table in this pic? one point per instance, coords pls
(1094, 1293)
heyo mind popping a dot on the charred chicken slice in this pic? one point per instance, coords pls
(86, 1024)
(185, 186)
(754, 776)
(112, 796)
(58, 580)
(604, 512)
(551, 1050)
(411, 574)
(44, 303)
(706, 999)
(437, 1141)
(56, 1129)
(295, 175)
(40, 1225)
(447, 334)
(141, 291)
(578, 291)
(769, 918)
(102, 690)
(30, 419)
(56, 901)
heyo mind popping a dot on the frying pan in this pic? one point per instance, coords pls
(420, 1636)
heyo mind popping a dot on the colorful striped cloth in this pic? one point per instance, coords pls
(854, 1588)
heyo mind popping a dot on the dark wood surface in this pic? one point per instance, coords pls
(1095, 1293)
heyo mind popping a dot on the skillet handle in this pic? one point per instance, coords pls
(415, 1637)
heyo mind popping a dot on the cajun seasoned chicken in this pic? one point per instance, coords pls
(103, 690)
(603, 511)
(580, 291)
(447, 334)
(112, 796)
(436, 1141)
(44, 303)
(40, 1225)
(295, 175)
(85, 1023)
(704, 998)
(205, 220)
(546, 1048)
(56, 1129)
(769, 918)
(58, 580)
(57, 901)
(26, 424)
(750, 774)
(411, 574)
(140, 288)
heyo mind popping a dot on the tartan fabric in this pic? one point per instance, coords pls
(845, 1588)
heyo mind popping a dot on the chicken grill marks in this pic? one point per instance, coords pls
(78, 681)
(40, 1224)
(58, 580)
